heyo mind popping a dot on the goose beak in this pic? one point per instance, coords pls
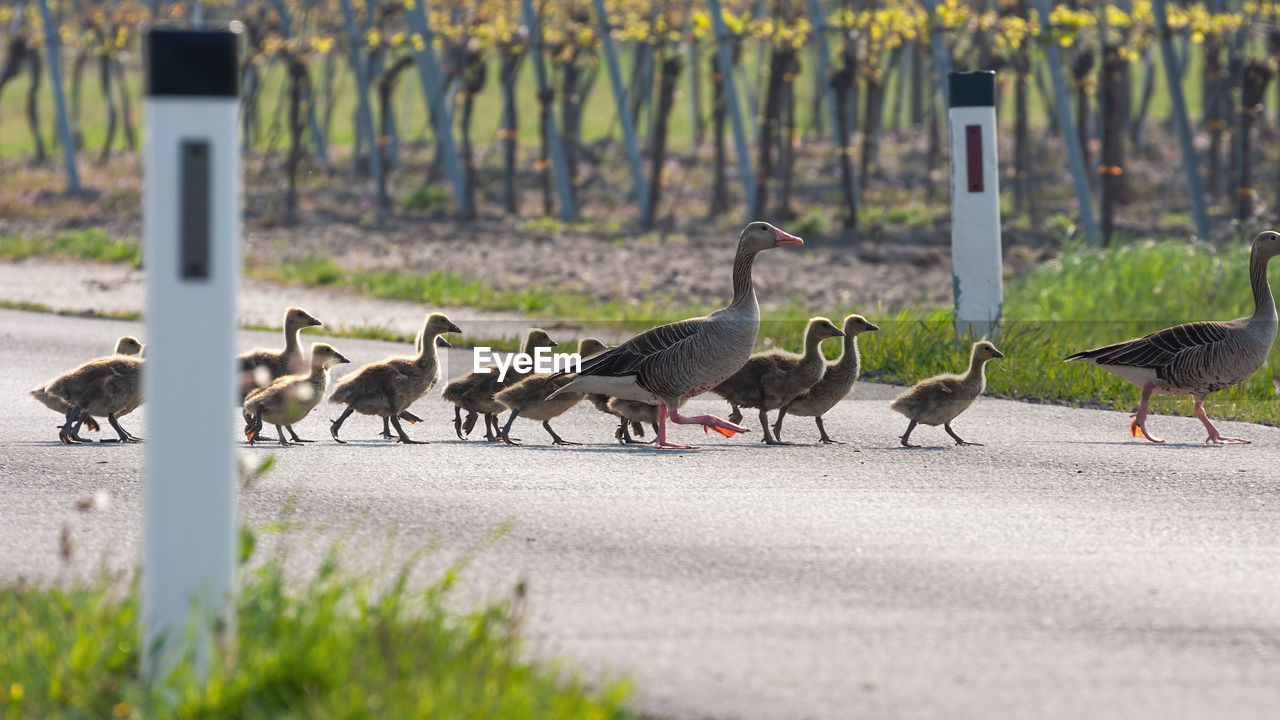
(838, 333)
(872, 327)
(312, 322)
(454, 328)
(441, 342)
(341, 358)
(783, 239)
(998, 354)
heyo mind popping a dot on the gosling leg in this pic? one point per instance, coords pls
(637, 429)
(395, 422)
(457, 422)
(556, 439)
(957, 438)
(622, 434)
(472, 413)
(506, 430)
(768, 438)
(280, 432)
(92, 424)
(125, 437)
(777, 425)
(735, 417)
(335, 425)
(823, 432)
(386, 428)
(906, 436)
(294, 436)
(67, 433)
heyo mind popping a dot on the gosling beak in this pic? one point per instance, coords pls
(341, 358)
(454, 328)
(871, 327)
(312, 322)
(553, 342)
(838, 333)
(784, 239)
(441, 342)
(998, 354)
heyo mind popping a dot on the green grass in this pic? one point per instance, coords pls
(330, 647)
(1086, 299)
(88, 244)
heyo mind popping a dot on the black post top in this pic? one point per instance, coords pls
(192, 63)
(973, 89)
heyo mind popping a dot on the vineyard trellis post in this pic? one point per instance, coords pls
(1062, 104)
(317, 139)
(364, 113)
(620, 99)
(432, 88)
(1173, 77)
(735, 112)
(838, 137)
(55, 79)
(564, 188)
(941, 61)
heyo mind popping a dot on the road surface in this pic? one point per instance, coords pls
(1062, 571)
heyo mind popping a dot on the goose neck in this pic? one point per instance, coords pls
(291, 343)
(850, 356)
(743, 288)
(427, 349)
(1264, 304)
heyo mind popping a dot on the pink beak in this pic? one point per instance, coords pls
(784, 239)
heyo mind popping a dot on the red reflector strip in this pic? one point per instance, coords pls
(973, 152)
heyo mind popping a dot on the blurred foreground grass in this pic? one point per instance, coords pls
(331, 647)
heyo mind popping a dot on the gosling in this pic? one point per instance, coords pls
(773, 378)
(836, 383)
(126, 345)
(529, 397)
(389, 387)
(600, 401)
(291, 398)
(474, 391)
(938, 400)
(634, 412)
(110, 386)
(259, 368)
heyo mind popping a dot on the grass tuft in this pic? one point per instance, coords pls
(332, 647)
(88, 244)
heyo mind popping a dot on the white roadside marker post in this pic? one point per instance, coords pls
(976, 266)
(191, 233)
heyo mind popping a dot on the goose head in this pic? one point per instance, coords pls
(438, 324)
(761, 235)
(295, 318)
(856, 325)
(1266, 245)
(323, 355)
(820, 329)
(128, 345)
(589, 346)
(984, 351)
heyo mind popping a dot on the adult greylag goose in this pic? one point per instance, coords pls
(771, 379)
(1198, 358)
(126, 345)
(110, 386)
(531, 397)
(474, 391)
(939, 399)
(836, 383)
(290, 398)
(259, 368)
(679, 360)
(387, 388)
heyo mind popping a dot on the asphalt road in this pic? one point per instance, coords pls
(1062, 571)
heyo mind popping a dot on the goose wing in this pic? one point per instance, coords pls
(1159, 348)
(634, 355)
